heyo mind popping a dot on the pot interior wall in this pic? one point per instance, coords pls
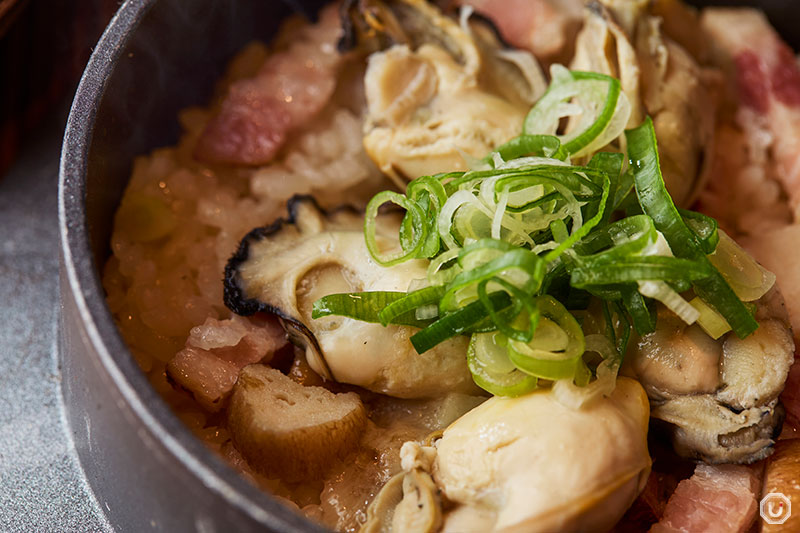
(171, 61)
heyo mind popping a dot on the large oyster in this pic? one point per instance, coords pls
(437, 89)
(661, 79)
(285, 267)
(523, 464)
(719, 398)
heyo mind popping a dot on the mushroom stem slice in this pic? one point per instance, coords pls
(283, 428)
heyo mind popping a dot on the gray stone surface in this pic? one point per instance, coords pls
(42, 487)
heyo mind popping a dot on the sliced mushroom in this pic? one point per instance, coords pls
(719, 397)
(441, 91)
(285, 267)
(523, 464)
(283, 428)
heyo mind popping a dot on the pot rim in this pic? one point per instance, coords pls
(110, 351)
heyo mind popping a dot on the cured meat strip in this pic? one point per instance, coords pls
(716, 499)
(291, 87)
(216, 351)
(768, 81)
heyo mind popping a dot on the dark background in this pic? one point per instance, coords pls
(44, 45)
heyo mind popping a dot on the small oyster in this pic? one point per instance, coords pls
(719, 398)
(523, 464)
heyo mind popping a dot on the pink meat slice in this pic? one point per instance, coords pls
(768, 80)
(716, 499)
(216, 351)
(545, 27)
(291, 87)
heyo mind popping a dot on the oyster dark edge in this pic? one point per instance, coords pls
(234, 296)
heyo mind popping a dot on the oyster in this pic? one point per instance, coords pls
(522, 464)
(410, 500)
(661, 79)
(285, 267)
(437, 90)
(719, 398)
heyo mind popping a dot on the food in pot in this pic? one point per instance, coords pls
(458, 294)
(284, 268)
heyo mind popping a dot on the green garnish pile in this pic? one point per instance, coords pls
(525, 242)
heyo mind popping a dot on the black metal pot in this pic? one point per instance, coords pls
(146, 468)
(148, 472)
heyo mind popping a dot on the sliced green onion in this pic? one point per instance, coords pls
(557, 346)
(705, 229)
(712, 322)
(619, 333)
(656, 203)
(611, 164)
(527, 265)
(584, 229)
(457, 322)
(364, 306)
(643, 317)
(427, 312)
(637, 268)
(625, 193)
(601, 106)
(528, 306)
(485, 362)
(537, 145)
(418, 229)
(658, 290)
(491, 350)
(438, 272)
(749, 280)
(409, 302)
(623, 238)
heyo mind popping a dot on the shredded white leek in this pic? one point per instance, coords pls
(661, 291)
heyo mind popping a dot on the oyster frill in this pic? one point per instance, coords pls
(285, 267)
